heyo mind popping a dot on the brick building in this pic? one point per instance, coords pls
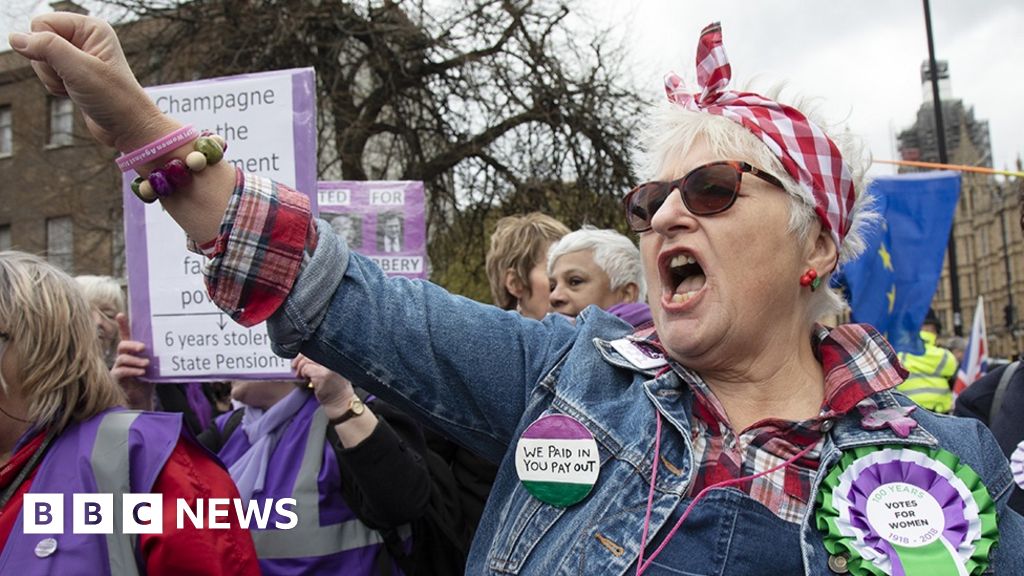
(59, 192)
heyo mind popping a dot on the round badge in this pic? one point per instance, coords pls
(46, 547)
(557, 460)
(904, 514)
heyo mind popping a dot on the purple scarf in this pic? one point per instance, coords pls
(262, 429)
(636, 313)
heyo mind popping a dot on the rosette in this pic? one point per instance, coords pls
(907, 510)
(1017, 465)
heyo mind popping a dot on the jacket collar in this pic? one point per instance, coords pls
(849, 433)
(859, 364)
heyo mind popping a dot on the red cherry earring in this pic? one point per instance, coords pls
(810, 278)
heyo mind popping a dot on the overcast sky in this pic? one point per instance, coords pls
(862, 58)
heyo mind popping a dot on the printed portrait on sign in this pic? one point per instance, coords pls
(348, 226)
(390, 232)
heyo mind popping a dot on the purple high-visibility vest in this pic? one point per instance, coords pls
(328, 538)
(117, 451)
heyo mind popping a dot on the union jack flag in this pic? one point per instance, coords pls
(973, 366)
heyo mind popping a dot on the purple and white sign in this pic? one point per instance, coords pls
(383, 220)
(269, 122)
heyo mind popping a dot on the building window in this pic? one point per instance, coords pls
(61, 121)
(6, 132)
(5, 238)
(60, 243)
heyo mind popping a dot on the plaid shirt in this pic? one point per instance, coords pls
(269, 230)
(857, 363)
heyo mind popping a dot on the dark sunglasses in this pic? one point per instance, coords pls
(706, 190)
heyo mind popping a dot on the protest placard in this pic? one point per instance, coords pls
(269, 122)
(384, 220)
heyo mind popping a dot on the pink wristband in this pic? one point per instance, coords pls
(156, 149)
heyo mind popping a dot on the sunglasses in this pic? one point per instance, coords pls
(706, 190)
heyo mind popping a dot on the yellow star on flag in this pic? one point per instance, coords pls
(891, 295)
(886, 257)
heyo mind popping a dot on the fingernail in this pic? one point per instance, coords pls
(17, 40)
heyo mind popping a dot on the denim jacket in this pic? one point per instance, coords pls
(482, 375)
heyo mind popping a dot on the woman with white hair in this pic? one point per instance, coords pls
(62, 432)
(103, 293)
(599, 267)
(741, 437)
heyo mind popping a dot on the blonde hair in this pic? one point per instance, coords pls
(101, 290)
(61, 372)
(519, 243)
(670, 130)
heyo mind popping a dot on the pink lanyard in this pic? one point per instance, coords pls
(641, 565)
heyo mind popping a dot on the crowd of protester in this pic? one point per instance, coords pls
(692, 369)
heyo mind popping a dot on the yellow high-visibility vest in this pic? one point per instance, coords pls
(928, 382)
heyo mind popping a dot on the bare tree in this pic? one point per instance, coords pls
(499, 106)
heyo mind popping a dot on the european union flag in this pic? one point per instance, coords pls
(891, 285)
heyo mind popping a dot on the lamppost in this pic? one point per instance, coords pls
(940, 141)
(1009, 312)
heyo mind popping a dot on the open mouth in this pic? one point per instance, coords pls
(685, 276)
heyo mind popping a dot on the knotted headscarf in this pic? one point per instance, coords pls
(807, 154)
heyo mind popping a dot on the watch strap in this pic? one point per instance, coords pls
(356, 407)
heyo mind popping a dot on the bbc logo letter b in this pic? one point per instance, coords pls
(94, 514)
(43, 513)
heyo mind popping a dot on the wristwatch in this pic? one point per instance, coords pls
(355, 408)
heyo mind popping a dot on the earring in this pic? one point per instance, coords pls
(810, 278)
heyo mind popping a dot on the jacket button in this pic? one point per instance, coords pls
(838, 563)
(827, 425)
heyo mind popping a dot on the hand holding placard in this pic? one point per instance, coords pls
(129, 365)
(331, 389)
(336, 396)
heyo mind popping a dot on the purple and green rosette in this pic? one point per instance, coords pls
(907, 510)
(557, 460)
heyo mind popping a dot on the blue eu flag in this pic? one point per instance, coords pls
(891, 285)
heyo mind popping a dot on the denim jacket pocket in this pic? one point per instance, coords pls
(531, 519)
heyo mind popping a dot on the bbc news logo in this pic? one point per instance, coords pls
(144, 513)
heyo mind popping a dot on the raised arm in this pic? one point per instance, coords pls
(466, 367)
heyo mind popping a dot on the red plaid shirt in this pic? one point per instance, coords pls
(269, 229)
(857, 363)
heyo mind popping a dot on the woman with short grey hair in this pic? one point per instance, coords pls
(599, 267)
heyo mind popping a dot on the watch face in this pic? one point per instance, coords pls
(357, 406)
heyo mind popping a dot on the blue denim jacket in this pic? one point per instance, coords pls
(482, 375)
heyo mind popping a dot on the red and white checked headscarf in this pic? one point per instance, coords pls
(808, 155)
